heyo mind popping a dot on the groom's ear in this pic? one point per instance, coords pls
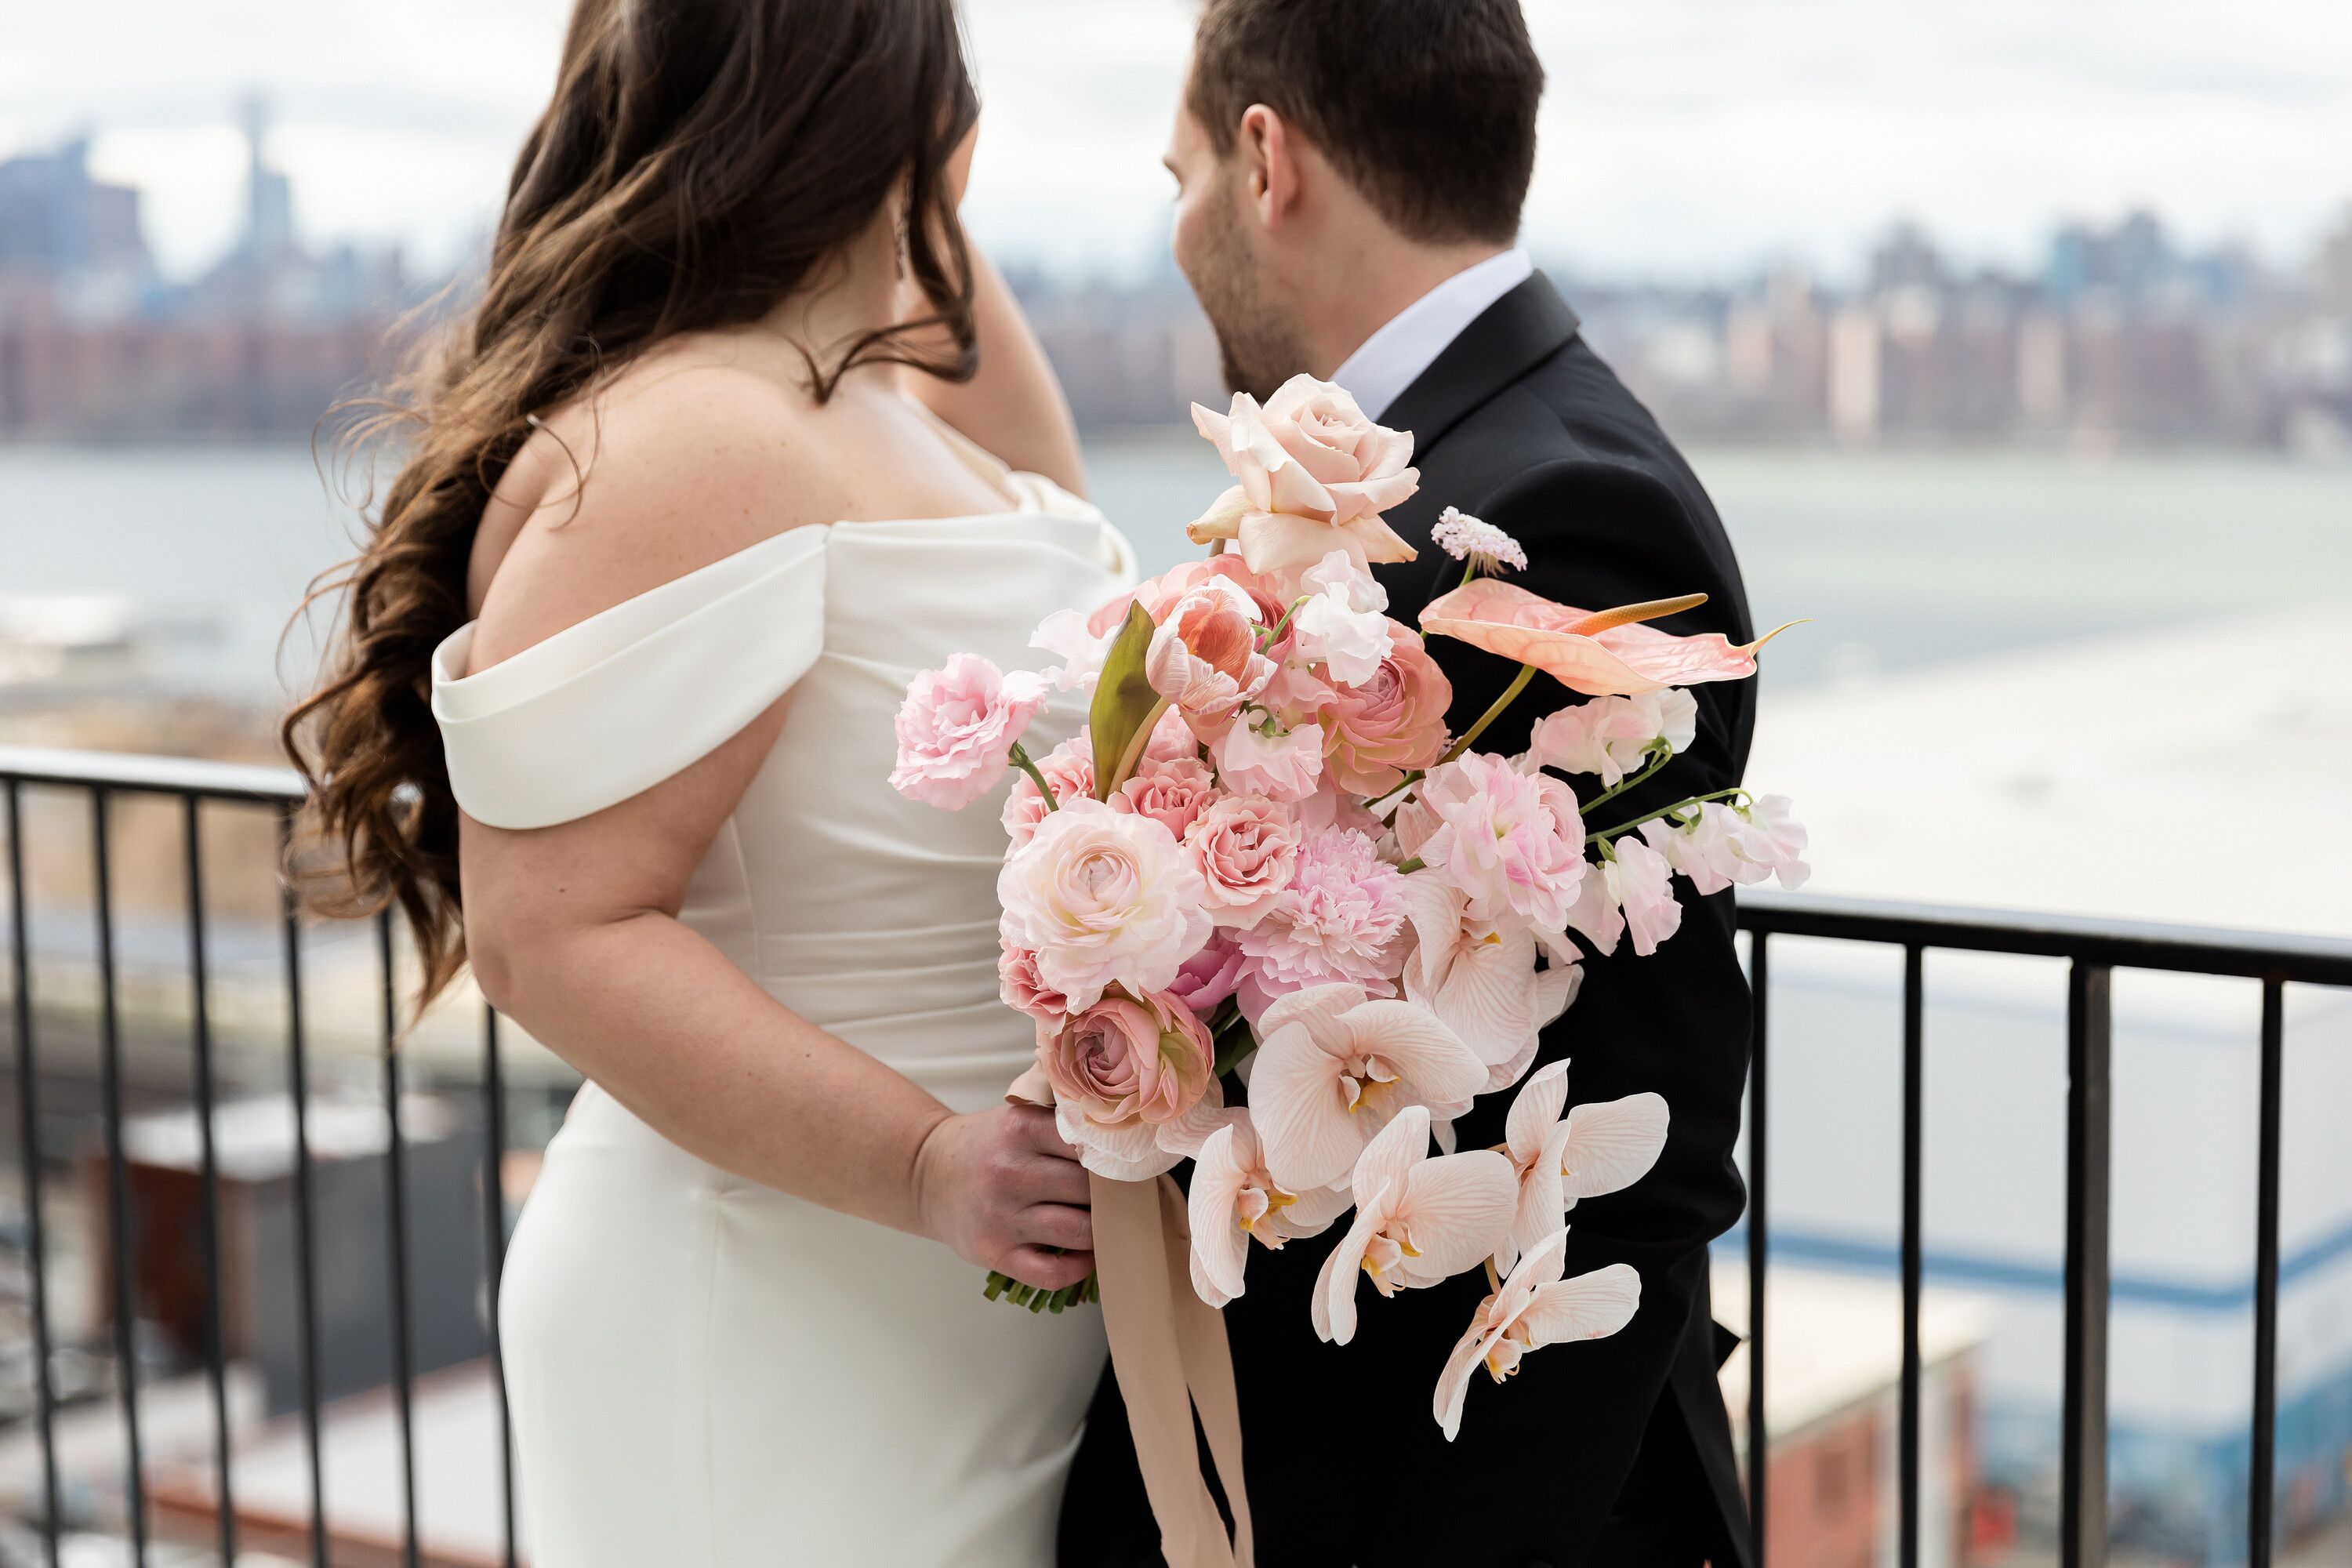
(1269, 152)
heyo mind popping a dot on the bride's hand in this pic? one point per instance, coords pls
(1001, 1188)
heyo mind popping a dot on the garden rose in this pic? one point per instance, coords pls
(1103, 898)
(1069, 768)
(1315, 475)
(1171, 791)
(1247, 848)
(957, 727)
(1391, 724)
(1511, 841)
(1125, 1060)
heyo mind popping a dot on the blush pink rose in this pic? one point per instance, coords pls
(1069, 768)
(1380, 731)
(957, 727)
(1122, 1061)
(1314, 475)
(1171, 792)
(1024, 991)
(1247, 848)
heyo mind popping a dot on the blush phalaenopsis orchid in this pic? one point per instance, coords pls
(1532, 1309)
(1418, 1221)
(1269, 859)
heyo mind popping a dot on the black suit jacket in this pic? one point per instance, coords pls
(1519, 423)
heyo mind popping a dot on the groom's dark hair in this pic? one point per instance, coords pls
(1427, 106)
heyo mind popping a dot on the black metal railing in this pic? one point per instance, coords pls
(2094, 949)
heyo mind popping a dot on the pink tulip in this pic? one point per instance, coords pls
(1601, 654)
(1535, 1308)
(1234, 1198)
(1332, 1070)
(1204, 658)
(1601, 1147)
(1418, 1220)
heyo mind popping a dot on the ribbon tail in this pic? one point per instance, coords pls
(1208, 1358)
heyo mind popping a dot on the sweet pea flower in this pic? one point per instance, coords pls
(1418, 1222)
(1234, 1198)
(1340, 624)
(1066, 634)
(1631, 891)
(1204, 658)
(1775, 839)
(1391, 723)
(1247, 848)
(1341, 920)
(1132, 1086)
(1511, 841)
(1171, 791)
(1485, 548)
(1069, 768)
(957, 728)
(1482, 981)
(1333, 1069)
(1612, 736)
(1603, 1147)
(1535, 1308)
(1103, 898)
(1254, 757)
(1315, 475)
(1602, 654)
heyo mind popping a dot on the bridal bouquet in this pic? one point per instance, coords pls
(1265, 873)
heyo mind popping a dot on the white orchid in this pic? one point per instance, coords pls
(1234, 1198)
(1333, 1070)
(1535, 1308)
(1480, 979)
(1418, 1220)
(1601, 1147)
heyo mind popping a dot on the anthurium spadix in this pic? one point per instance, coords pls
(1599, 1148)
(1332, 1070)
(1535, 1308)
(1235, 1198)
(1418, 1220)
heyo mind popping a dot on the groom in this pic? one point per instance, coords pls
(1351, 176)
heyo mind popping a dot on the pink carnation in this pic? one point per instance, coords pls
(1069, 768)
(1171, 792)
(1342, 920)
(957, 728)
(1247, 849)
(1512, 842)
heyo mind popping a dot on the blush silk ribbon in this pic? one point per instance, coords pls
(1169, 1351)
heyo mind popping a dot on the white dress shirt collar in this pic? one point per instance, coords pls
(1392, 359)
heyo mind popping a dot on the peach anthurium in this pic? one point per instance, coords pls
(1602, 654)
(1332, 1070)
(1481, 980)
(1418, 1220)
(1234, 1198)
(1601, 1147)
(1535, 1308)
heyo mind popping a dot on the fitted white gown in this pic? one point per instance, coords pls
(706, 1373)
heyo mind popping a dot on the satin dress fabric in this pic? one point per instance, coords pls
(706, 1373)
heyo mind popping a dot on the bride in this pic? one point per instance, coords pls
(713, 468)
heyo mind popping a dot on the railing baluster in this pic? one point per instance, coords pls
(396, 1205)
(2083, 1530)
(1914, 1078)
(1759, 1434)
(306, 1289)
(201, 1042)
(121, 1249)
(28, 1133)
(2261, 1485)
(494, 1214)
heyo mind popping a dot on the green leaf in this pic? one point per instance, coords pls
(1124, 703)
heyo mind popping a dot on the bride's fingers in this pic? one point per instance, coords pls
(1048, 1271)
(1057, 1182)
(1038, 1131)
(1059, 1225)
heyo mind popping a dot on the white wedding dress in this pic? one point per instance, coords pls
(706, 1373)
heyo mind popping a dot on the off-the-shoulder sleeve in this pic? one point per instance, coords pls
(610, 707)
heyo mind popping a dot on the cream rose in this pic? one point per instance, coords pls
(1315, 476)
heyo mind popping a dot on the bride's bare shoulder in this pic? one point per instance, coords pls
(681, 459)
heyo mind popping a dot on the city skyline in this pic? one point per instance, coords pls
(1682, 141)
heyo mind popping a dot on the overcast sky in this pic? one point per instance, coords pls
(1686, 138)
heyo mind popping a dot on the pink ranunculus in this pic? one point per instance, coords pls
(1341, 920)
(1123, 1061)
(1019, 983)
(1511, 841)
(957, 728)
(1210, 975)
(1103, 898)
(1172, 792)
(1069, 768)
(1247, 848)
(1284, 766)
(1378, 731)
(1315, 475)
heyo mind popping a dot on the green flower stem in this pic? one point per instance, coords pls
(1273, 634)
(1510, 695)
(1407, 868)
(1021, 760)
(1405, 782)
(1233, 1045)
(1684, 804)
(1003, 1286)
(1660, 755)
(1128, 760)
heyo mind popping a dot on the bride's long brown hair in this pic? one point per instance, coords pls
(701, 161)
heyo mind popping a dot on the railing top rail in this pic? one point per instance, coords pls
(2124, 944)
(167, 775)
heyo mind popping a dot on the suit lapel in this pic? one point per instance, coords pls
(1511, 337)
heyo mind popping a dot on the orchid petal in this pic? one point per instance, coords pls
(1613, 1143)
(1458, 1209)
(1220, 1245)
(1535, 1110)
(1302, 1120)
(1588, 1307)
(1334, 1291)
(1454, 1382)
(1424, 1051)
(1388, 1160)
(1319, 1008)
